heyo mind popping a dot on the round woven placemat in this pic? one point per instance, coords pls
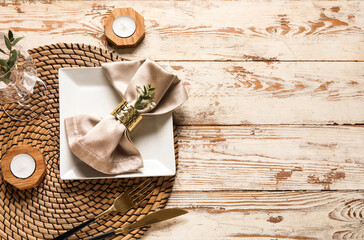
(57, 205)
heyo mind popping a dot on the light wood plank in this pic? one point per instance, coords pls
(203, 30)
(270, 158)
(217, 162)
(276, 93)
(264, 215)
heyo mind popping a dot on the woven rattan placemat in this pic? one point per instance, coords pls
(57, 205)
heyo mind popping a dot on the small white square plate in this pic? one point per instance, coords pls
(87, 90)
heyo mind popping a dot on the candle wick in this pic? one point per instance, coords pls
(122, 26)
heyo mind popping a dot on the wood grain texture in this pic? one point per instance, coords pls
(252, 69)
(276, 93)
(264, 215)
(270, 158)
(203, 30)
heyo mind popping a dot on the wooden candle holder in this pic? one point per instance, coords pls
(134, 39)
(24, 183)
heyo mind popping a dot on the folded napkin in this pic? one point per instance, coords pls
(104, 142)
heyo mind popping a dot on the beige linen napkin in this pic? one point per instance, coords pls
(103, 142)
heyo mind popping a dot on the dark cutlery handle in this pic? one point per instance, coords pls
(102, 236)
(74, 230)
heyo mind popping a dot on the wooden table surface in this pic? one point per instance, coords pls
(272, 136)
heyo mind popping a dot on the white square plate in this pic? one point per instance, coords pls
(87, 90)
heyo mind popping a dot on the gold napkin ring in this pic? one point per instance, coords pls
(127, 115)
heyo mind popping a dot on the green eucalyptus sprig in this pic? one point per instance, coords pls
(145, 98)
(7, 64)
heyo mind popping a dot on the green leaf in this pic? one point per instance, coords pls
(6, 80)
(12, 59)
(17, 40)
(11, 36)
(11, 64)
(2, 51)
(7, 42)
(147, 97)
(141, 106)
(3, 63)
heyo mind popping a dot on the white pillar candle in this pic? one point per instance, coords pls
(22, 165)
(124, 26)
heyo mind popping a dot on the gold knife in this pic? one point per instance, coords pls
(155, 217)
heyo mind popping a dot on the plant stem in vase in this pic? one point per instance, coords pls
(17, 79)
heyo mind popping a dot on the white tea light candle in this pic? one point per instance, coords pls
(22, 165)
(124, 26)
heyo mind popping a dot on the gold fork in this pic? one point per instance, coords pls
(124, 202)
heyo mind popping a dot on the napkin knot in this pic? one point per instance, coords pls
(127, 114)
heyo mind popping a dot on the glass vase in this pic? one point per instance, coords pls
(18, 85)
